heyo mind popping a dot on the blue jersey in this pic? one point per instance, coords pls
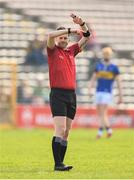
(105, 76)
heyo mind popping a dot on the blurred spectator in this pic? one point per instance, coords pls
(38, 93)
(5, 105)
(24, 92)
(36, 55)
(46, 94)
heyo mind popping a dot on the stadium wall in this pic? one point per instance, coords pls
(40, 116)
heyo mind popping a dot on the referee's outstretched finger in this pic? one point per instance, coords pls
(73, 15)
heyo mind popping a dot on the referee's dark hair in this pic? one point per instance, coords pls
(61, 28)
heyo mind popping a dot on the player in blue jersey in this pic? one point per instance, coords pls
(105, 74)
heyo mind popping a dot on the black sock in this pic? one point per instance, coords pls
(107, 128)
(63, 149)
(56, 148)
(101, 128)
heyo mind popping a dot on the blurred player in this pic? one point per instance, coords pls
(105, 74)
(62, 75)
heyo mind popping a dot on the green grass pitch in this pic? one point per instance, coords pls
(26, 154)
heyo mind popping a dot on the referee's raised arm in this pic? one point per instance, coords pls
(59, 32)
(84, 28)
(84, 31)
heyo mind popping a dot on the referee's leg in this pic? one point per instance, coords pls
(58, 144)
(71, 111)
(59, 112)
(59, 127)
(64, 142)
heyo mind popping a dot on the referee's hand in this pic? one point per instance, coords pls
(76, 19)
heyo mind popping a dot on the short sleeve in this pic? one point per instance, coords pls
(75, 49)
(96, 67)
(116, 70)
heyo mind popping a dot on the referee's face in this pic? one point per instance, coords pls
(62, 41)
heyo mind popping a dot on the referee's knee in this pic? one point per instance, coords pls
(60, 131)
(66, 134)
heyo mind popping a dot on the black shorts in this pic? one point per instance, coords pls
(63, 102)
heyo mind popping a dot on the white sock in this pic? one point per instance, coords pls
(100, 132)
(110, 131)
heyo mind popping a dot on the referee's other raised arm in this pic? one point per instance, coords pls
(53, 35)
(50, 42)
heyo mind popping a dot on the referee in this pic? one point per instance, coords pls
(62, 75)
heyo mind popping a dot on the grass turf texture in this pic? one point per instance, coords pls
(26, 154)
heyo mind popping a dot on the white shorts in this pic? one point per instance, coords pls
(103, 98)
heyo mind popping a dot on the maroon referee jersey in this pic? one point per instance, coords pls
(62, 70)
